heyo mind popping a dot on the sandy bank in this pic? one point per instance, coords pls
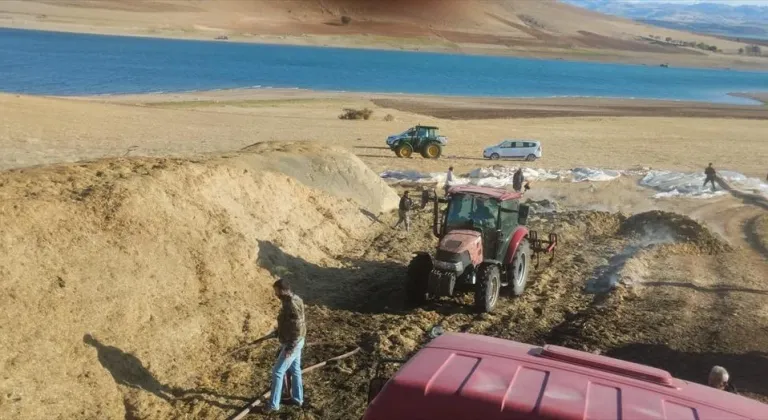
(47, 130)
(134, 277)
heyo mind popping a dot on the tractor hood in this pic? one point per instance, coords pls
(460, 241)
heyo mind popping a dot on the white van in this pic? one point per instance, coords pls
(529, 150)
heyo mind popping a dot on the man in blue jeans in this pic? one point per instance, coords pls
(291, 330)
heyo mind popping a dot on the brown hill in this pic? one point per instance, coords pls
(538, 27)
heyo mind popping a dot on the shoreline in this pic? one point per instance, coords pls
(450, 107)
(761, 97)
(757, 98)
(422, 45)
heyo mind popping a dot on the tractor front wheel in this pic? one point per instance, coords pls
(416, 292)
(487, 287)
(404, 150)
(432, 151)
(518, 272)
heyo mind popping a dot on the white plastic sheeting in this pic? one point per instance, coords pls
(678, 184)
(500, 176)
(666, 184)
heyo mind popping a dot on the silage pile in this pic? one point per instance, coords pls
(124, 281)
(689, 235)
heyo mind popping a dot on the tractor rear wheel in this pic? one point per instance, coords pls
(520, 267)
(404, 150)
(487, 287)
(432, 151)
(416, 293)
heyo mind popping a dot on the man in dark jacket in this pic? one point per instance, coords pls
(404, 212)
(291, 330)
(711, 175)
(517, 180)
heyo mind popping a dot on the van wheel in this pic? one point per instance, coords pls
(495, 156)
(530, 158)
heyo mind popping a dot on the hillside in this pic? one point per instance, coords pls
(734, 20)
(515, 27)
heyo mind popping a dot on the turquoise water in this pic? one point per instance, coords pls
(52, 63)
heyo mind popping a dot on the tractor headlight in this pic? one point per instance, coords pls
(449, 266)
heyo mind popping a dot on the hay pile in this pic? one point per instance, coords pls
(123, 281)
(691, 236)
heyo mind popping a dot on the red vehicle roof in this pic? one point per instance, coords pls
(465, 376)
(496, 193)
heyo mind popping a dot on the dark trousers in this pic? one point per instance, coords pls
(710, 179)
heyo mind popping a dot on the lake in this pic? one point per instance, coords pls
(51, 63)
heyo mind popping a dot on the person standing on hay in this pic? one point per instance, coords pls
(448, 180)
(517, 180)
(291, 330)
(404, 212)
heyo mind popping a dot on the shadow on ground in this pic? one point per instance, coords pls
(747, 370)
(357, 285)
(127, 370)
(719, 290)
(747, 198)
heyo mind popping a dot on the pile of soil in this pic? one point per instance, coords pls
(130, 279)
(692, 235)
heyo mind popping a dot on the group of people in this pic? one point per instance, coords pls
(291, 326)
(406, 203)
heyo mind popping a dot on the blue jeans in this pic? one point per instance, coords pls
(291, 365)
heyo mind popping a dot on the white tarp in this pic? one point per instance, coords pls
(667, 184)
(500, 176)
(678, 184)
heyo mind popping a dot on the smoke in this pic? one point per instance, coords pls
(624, 267)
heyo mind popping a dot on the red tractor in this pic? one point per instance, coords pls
(484, 245)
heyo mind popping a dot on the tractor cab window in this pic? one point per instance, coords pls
(422, 132)
(509, 216)
(467, 212)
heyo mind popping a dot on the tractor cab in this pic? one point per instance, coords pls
(423, 133)
(493, 219)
